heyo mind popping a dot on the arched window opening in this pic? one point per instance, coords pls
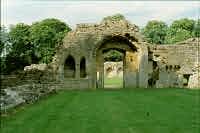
(69, 68)
(83, 68)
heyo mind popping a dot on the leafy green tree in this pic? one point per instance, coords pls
(180, 35)
(113, 55)
(4, 39)
(184, 24)
(45, 36)
(180, 30)
(21, 53)
(4, 47)
(19, 37)
(196, 32)
(155, 32)
(115, 17)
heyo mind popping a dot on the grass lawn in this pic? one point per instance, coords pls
(114, 82)
(110, 111)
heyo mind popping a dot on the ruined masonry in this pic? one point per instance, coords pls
(79, 62)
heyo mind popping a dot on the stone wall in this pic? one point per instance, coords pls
(175, 62)
(89, 41)
(26, 86)
(194, 79)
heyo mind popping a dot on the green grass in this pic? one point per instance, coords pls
(113, 82)
(109, 111)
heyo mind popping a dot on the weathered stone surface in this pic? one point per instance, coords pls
(10, 99)
(40, 67)
(145, 65)
(176, 63)
(194, 79)
(27, 93)
(90, 41)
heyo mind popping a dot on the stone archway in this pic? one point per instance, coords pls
(90, 41)
(130, 60)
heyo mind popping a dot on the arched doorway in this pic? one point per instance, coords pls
(113, 68)
(130, 60)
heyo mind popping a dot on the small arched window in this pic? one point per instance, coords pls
(69, 68)
(83, 68)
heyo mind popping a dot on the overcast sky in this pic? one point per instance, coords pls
(74, 12)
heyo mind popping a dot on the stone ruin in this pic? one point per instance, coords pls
(175, 65)
(79, 62)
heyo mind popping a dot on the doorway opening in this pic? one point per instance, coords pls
(120, 52)
(113, 69)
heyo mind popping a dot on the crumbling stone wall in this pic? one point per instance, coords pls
(88, 41)
(146, 65)
(27, 86)
(175, 62)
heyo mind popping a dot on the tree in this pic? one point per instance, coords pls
(4, 47)
(180, 35)
(196, 32)
(45, 36)
(180, 30)
(33, 44)
(115, 17)
(113, 55)
(155, 32)
(4, 40)
(184, 24)
(21, 53)
(19, 37)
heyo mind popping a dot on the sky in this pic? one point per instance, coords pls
(75, 12)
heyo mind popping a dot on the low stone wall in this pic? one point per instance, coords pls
(26, 77)
(175, 64)
(26, 87)
(27, 93)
